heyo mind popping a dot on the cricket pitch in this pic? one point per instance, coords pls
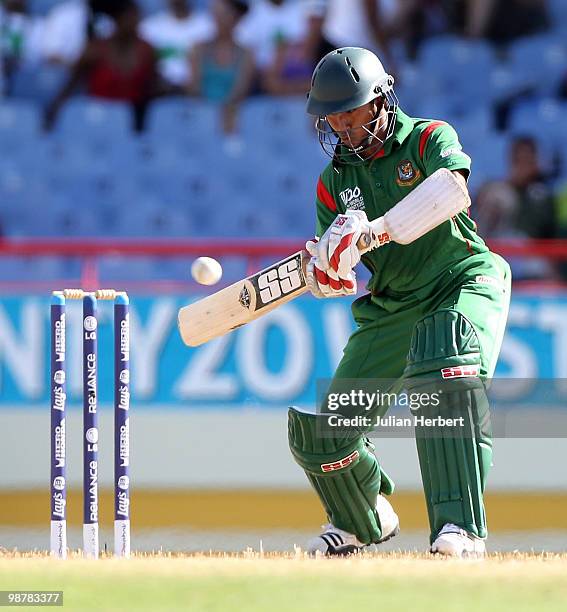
(254, 582)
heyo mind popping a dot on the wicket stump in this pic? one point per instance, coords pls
(58, 544)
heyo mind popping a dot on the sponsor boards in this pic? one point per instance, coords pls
(292, 347)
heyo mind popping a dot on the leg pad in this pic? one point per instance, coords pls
(345, 474)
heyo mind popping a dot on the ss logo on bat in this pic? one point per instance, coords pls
(280, 281)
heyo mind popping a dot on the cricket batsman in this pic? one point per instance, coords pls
(395, 197)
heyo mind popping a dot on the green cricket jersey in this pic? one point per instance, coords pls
(416, 150)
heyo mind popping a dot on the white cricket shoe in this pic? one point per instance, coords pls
(334, 541)
(453, 541)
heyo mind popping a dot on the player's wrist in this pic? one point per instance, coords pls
(375, 235)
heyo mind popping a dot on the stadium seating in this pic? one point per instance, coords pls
(410, 91)
(558, 15)
(489, 155)
(38, 83)
(113, 270)
(46, 269)
(42, 7)
(98, 122)
(19, 123)
(455, 69)
(504, 84)
(183, 177)
(182, 120)
(544, 119)
(539, 62)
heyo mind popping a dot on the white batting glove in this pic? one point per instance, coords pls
(338, 248)
(327, 284)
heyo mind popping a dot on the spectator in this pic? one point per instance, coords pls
(120, 67)
(20, 36)
(520, 206)
(495, 210)
(222, 69)
(290, 72)
(268, 23)
(371, 24)
(524, 198)
(531, 185)
(173, 33)
(69, 26)
(501, 21)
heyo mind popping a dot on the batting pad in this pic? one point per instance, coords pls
(454, 460)
(345, 474)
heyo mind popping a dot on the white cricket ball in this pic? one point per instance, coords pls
(206, 270)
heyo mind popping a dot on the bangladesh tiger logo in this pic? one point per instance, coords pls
(407, 174)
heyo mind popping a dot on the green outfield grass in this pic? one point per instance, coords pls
(274, 583)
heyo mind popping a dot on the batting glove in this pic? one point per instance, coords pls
(338, 250)
(327, 284)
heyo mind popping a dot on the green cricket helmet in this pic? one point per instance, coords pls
(343, 80)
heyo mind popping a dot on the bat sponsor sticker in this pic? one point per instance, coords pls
(274, 283)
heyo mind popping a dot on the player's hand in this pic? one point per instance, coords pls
(327, 284)
(338, 249)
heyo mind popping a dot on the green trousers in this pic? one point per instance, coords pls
(475, 300)
(379, 347)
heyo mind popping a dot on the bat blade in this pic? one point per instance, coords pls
(244, 301)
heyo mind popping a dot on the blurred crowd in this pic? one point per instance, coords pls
(225, 51)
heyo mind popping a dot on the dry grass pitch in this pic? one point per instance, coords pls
(252, 582)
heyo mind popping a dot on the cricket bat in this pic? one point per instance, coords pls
(244, 301)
